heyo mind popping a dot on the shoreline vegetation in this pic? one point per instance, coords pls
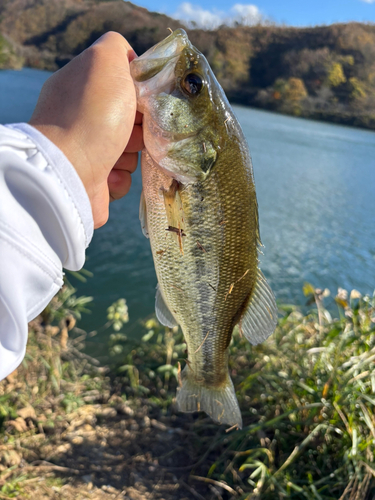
(324, 72)
(71, 428)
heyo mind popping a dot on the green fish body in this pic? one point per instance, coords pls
(199, 209)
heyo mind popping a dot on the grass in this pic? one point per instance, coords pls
(311, 393)
(307, 397)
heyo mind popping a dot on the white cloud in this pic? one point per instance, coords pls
(194, 16)
(368, 1)
(246, 14)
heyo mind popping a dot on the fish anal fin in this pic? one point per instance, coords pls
(143, 215)
(258, 320)
(163, 314)
(219, 403)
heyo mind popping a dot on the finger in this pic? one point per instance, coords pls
(127, 161)
(111, 35)
(119, 182)
(135, 143)
(138, 118)
(131, 54)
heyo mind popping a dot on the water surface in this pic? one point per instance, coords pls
(19, 92)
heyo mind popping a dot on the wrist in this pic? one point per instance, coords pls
(69, 146)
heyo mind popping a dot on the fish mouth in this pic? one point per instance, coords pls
(158, 57)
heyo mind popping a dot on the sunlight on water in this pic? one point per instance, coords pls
(315, 185)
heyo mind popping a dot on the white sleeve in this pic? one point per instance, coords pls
(45, 224)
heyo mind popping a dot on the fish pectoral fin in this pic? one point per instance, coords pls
(163, 314)
(259, 319)
(219, 403)
(143, 215)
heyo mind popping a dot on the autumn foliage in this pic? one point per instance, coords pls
(323, 72)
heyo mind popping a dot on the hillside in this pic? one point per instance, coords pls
(322, 72)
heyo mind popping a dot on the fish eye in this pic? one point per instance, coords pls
(192, 83)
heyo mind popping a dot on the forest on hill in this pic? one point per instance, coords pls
(323, 72)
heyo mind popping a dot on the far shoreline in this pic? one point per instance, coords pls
(348, 120)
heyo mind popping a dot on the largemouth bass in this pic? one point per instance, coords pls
(199, 209)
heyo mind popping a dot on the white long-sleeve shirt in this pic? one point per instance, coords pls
(45, 224)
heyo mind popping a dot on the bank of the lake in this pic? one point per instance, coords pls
(72, 429)
(321, 72)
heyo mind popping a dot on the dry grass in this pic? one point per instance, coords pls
(307, 396)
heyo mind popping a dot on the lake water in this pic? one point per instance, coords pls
(316, 192)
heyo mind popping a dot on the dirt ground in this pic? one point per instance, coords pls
(88, 435)
(111, 451)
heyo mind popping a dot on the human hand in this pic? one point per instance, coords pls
(88, 109)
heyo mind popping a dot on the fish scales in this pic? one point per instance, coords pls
(200, 213)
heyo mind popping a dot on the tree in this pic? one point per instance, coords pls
(295, 90)
(336, 75)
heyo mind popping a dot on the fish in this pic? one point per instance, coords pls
(199, 210)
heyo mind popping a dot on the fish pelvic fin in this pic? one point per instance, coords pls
(143, 215)
(163, 313)
(219, 403)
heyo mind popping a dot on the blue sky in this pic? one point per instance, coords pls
(290, 12)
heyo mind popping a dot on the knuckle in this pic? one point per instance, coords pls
(111, 38)
(108, 49)
(114, 36)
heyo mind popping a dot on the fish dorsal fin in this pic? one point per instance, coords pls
(143, 215)
(259, 319)
(164, 315)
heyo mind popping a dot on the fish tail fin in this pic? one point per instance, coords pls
(219, 403)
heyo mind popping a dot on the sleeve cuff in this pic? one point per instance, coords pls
(66, 174)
